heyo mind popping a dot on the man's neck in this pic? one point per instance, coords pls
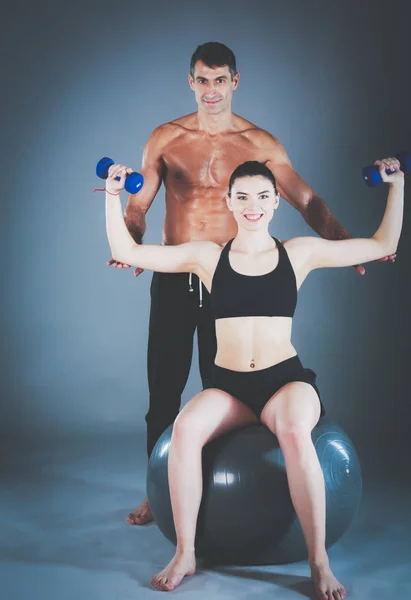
(214, 124)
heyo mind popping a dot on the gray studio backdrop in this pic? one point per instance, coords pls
(82, 80)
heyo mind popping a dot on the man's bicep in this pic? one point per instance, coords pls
(289, 183)
(152, 169)
(292, 187)
(143, 199)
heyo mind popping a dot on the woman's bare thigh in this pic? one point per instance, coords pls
(211, 413)
(295, 405)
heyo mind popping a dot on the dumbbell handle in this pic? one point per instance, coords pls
(371, 174)
(134, 181)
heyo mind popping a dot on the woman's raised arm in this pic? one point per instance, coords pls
(346, 253)
(182, 258)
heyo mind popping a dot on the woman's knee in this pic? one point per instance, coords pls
(293, 434)
(186, 427)
(191, 424)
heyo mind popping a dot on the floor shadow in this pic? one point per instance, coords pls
(301, 585)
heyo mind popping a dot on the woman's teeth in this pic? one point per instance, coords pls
(253, 217)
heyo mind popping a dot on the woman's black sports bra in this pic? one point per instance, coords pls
(273, 294)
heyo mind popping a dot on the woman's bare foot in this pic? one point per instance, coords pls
(327, 587)
(170, 577)
(141, 515)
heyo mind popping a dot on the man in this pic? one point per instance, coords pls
(194, 156)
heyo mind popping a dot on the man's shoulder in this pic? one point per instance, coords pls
(254, 132)
(189, 121)
(170, 130)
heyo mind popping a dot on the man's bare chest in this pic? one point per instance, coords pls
(207, 163)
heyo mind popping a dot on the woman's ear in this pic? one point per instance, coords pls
(228, 200)
(276, 201)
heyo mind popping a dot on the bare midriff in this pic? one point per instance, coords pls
(262, 341)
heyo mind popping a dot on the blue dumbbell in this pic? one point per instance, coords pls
(371, 174)
(134, 181)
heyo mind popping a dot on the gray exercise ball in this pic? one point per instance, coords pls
(246, 514)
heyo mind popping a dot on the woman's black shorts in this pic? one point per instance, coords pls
(255, 388)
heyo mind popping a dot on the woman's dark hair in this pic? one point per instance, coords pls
(214, 54)
(251, 168)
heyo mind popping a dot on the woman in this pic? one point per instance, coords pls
(253, 281)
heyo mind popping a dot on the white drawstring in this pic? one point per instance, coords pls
(200, 285)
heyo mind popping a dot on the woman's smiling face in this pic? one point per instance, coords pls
(252, 201)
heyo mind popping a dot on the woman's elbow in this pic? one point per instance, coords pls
(391, 250)
(386, 249)
(120, 255)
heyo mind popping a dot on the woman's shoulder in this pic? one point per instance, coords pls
(207, 246)
(299, 250)
(207, 253)
(299, 244)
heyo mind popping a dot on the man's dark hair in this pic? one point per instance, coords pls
(214, 54)
(251, 168)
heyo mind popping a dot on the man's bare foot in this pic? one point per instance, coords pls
(170, 577)
(141, 515)
(327, 587)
